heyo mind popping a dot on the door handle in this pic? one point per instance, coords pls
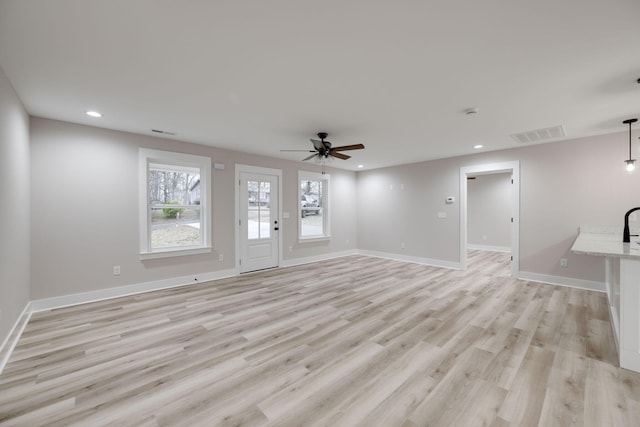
(275, 226)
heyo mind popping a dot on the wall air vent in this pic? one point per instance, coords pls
(539, 135)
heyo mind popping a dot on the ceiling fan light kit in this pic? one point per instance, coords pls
(323, 151)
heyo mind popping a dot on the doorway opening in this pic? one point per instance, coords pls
(493, 168)
(258, 207)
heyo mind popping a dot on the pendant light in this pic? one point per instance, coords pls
(631, 163)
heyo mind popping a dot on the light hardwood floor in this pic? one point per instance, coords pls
(355, 341)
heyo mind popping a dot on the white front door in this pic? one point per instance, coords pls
(259, 225)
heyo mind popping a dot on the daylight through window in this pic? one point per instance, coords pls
(314, 212)
(175, 203)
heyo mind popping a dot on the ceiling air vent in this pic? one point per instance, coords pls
(539, 135)
(164, 132)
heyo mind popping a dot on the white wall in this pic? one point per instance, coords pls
(563, 185)
(14, 207)
(489, 211)
(85, 219)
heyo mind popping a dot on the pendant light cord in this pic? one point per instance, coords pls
(630, 140)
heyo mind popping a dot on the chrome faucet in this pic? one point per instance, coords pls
(626, 238)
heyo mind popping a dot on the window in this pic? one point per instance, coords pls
(314, 206)
(259, 209)
(174, 205)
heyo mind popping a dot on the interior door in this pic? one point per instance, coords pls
(258, 221)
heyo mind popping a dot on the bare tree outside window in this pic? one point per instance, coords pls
(174, 199)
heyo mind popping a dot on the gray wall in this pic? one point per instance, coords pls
(489, 210)
(400, 205)
(85, 209)
(563, 186)
(83, 206)
(14, 211)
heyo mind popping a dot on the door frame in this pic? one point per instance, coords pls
(262, 171)
(487, 169)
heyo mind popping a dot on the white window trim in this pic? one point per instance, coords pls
(326, 215)
(146, 156)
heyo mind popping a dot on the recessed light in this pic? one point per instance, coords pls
(93, 114)
(360, 166)
(478, 146)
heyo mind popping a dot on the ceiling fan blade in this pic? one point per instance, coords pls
(348, 147)
(339, 155)
(310, 157)
(318, 145)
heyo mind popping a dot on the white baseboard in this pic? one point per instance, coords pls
(417, 260)
(80, 298)
(562, 281)
(102, 294)
(317, 258)
(14, 335)
(121, 291)
(489, 248)
(137, 288)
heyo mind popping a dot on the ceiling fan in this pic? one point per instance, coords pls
(323, 149)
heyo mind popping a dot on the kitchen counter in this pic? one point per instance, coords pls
(603, 241)
(622, 276)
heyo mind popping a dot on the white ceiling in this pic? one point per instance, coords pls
(260, 76)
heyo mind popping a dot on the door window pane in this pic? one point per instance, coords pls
(259, 209)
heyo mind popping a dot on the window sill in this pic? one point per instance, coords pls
(313, 239)
(174, 253)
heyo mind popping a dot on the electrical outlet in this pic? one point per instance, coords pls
(220, 257)
(564, 262)
(116, 270)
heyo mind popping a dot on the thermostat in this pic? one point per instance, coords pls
(450, 199)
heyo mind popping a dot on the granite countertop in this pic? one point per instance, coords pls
(606, 241)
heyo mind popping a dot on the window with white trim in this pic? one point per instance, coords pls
(313, 208)
(175, 210)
